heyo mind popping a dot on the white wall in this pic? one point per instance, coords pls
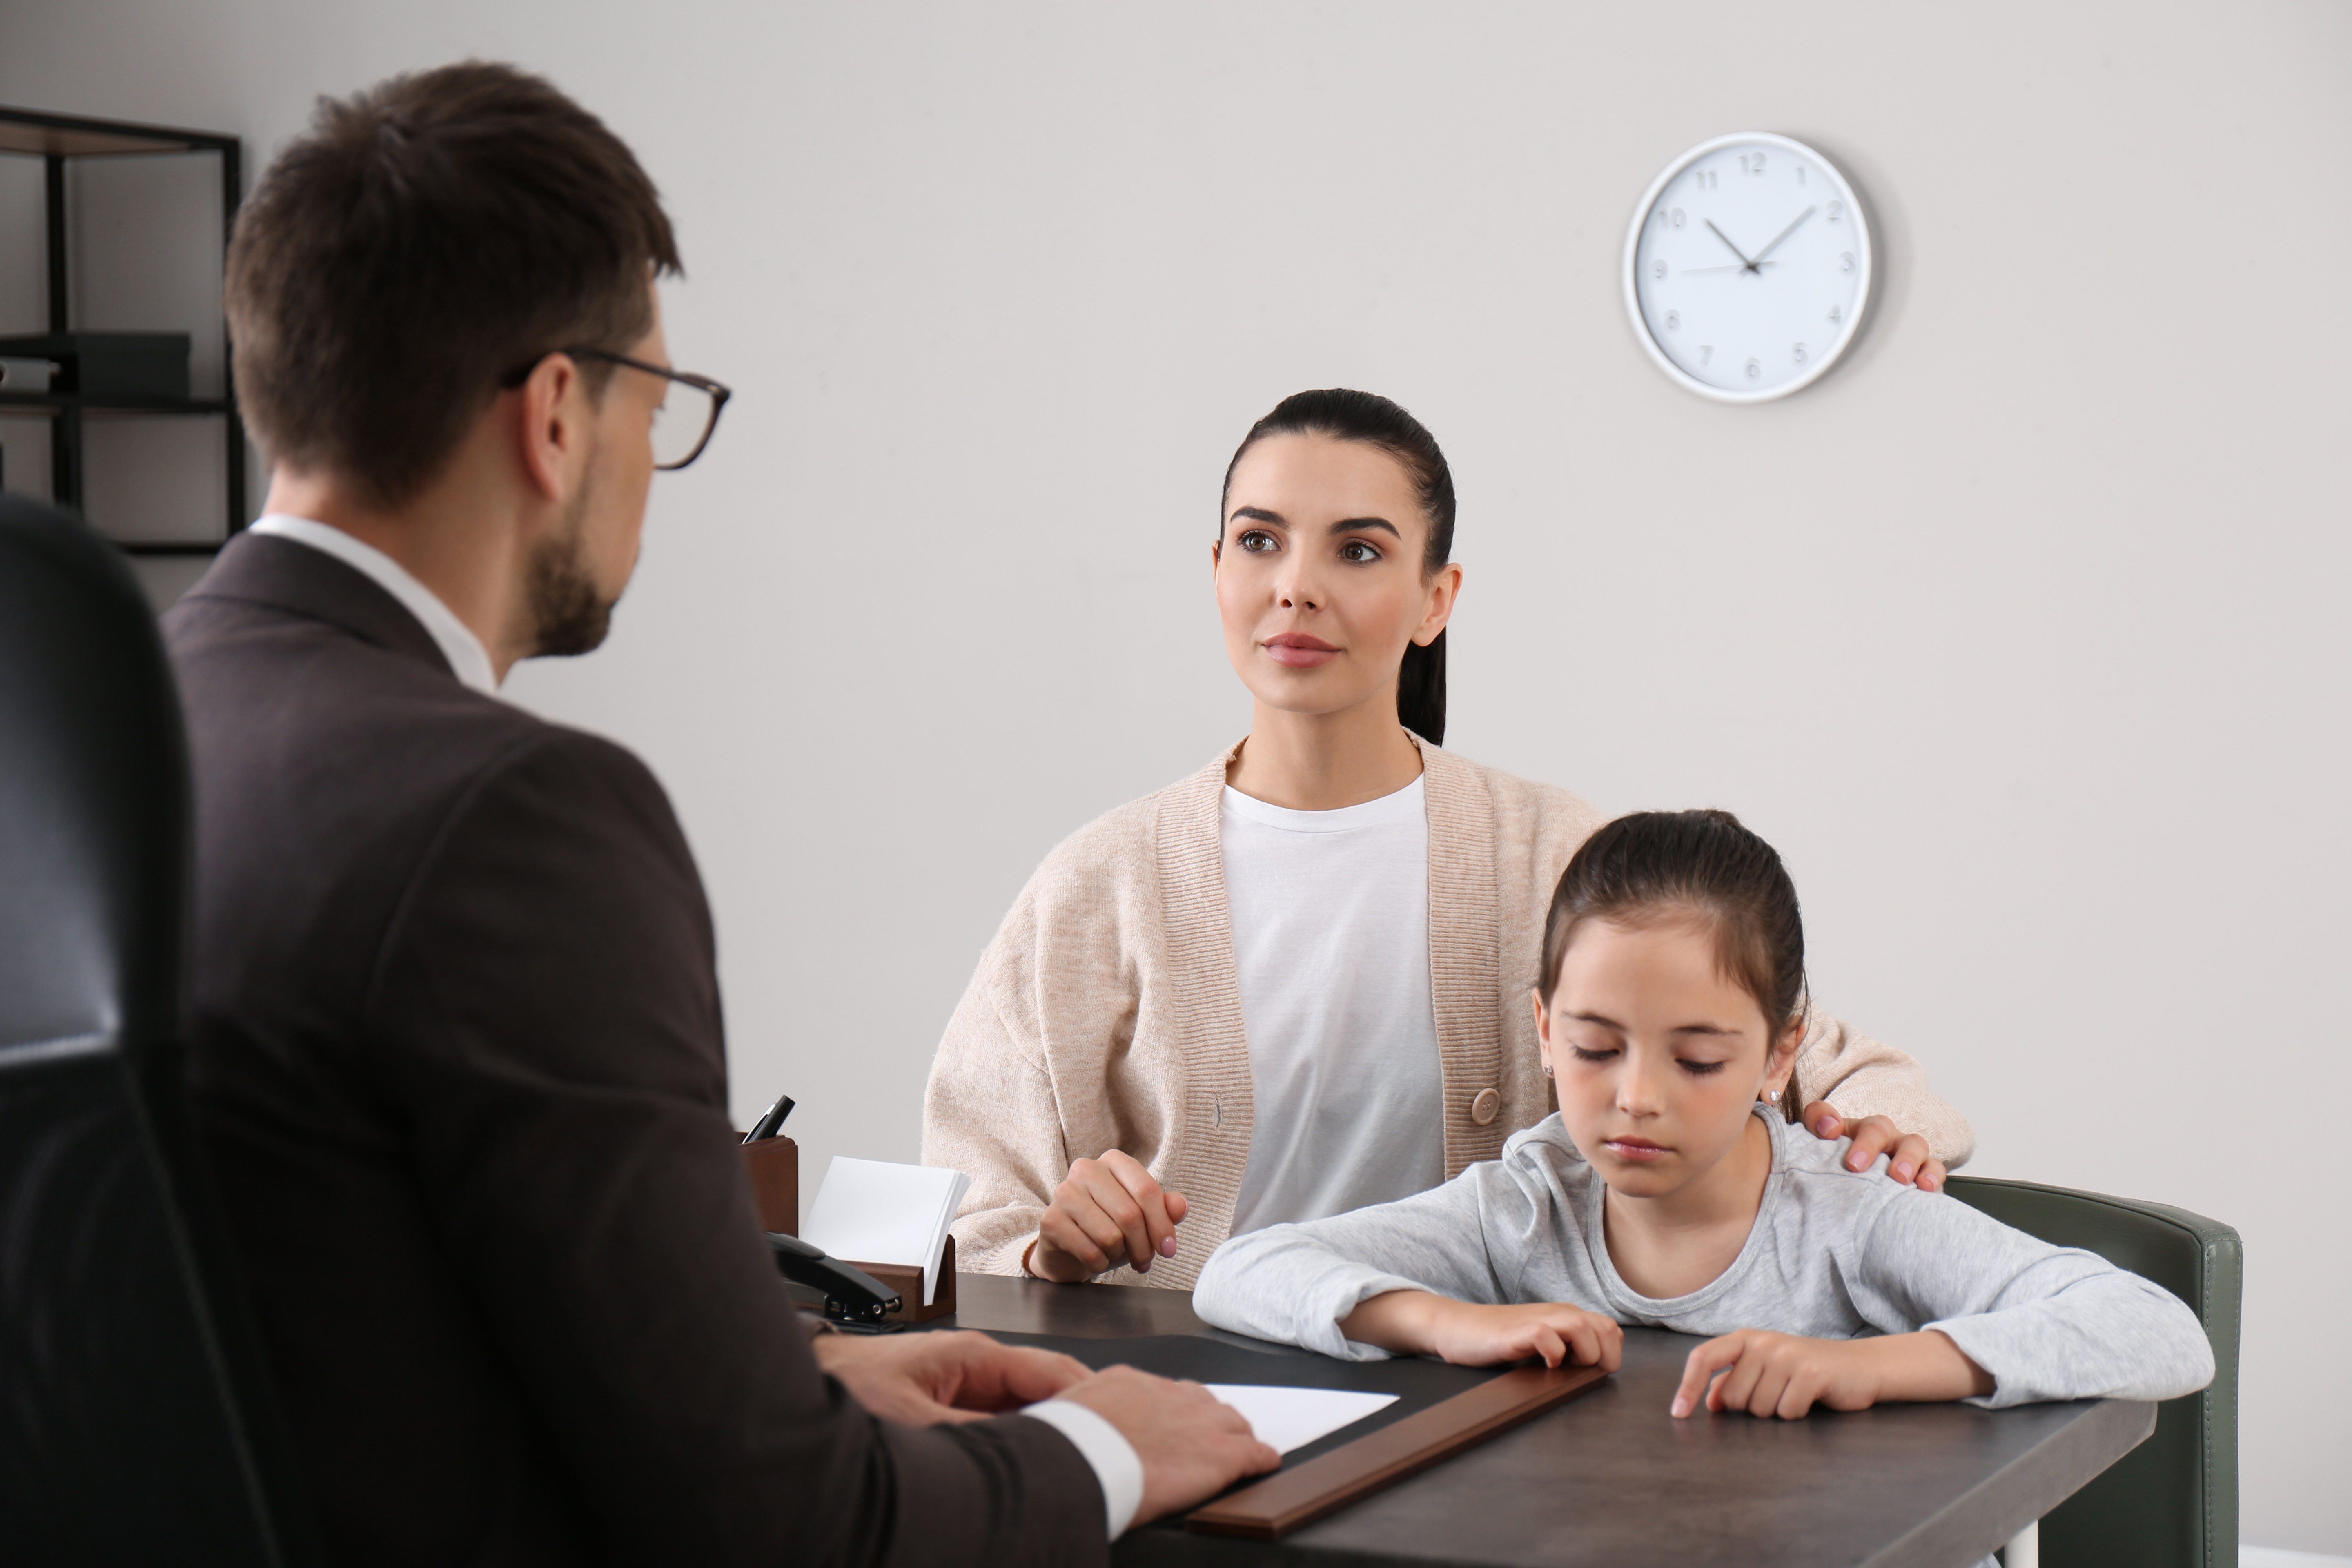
(2022, 635)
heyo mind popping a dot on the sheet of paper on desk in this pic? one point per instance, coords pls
(1287, 1418)
(870, 1211)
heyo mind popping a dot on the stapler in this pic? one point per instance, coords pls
(853, 1297)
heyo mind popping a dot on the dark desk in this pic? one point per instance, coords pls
(1612, 1478)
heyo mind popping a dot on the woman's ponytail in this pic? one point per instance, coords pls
(1421, 690)
(1373, 420)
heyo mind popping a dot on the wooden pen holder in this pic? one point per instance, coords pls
(907, 1284)
(774, 1164)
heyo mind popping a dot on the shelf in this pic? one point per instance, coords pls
(169, 546)
(59, 139)
(69, 136)
(37, 402)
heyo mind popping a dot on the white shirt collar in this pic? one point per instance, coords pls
(458, 645)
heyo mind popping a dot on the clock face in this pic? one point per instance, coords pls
(1748, 267)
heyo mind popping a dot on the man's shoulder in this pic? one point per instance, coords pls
(274, 698)
(572, 783)
(279, 675)
(312, 739)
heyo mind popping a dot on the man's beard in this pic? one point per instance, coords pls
(568, 615)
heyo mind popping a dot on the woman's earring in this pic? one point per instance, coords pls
(1772, 1097)
(1547, 1070)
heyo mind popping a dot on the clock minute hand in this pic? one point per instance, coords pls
(1782, 234)
(1728, 245)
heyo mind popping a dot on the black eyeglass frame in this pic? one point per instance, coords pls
(718, 391)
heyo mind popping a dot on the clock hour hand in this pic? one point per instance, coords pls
(1781, 236)
(1735, 250)
(1727, 267)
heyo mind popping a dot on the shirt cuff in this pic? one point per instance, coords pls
(1106, 1451)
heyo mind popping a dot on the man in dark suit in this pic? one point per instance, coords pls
(458, 1055)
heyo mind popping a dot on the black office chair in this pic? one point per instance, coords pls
(134, 1427)
(2172, 1502)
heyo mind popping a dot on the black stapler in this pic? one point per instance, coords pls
(853, 1297)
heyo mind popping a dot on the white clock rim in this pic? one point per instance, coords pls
(1658, 355)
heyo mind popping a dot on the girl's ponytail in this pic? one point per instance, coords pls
(1372, 419)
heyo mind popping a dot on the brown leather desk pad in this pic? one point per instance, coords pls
(1439, 1411)
(1418, 1385)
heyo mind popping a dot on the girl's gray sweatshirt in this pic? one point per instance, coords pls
(1833, 1254)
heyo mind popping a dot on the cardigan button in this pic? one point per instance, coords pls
(1485, 1107)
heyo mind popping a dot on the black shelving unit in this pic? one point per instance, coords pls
(56, 139)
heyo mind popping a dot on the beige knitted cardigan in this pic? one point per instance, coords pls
(1107, 1015)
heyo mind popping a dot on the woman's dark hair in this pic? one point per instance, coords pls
(1695, 865)
(1368, 417)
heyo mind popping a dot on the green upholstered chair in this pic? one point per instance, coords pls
(2172, 1502)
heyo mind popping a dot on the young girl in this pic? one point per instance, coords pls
(1282, 987)
(1671, 1192)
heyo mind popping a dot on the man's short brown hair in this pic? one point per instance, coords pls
(423, 241)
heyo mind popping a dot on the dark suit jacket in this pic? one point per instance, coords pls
(460, 1073)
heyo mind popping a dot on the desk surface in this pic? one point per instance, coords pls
(1612, 1478)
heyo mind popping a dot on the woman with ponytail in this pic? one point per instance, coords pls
(1292, 984)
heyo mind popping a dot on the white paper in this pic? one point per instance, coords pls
(1287, 1418)
(870, 1211)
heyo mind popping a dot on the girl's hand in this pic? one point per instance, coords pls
(1786, 1375)
(1470, 1335)
(1419, 1323)
(1776, 1374)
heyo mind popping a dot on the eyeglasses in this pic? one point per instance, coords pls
(686, 417)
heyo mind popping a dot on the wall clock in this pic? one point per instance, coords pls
(1748, 267)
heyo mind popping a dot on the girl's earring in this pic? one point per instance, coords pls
(1772, 1097)
(1547, 1070)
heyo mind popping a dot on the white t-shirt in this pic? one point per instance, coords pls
(1330, 918)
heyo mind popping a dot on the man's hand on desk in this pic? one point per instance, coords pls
(1908, 1160)
(921, 1380)
(1191, 1445)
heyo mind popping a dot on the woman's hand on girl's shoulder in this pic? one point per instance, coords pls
(1469, 1334)
(1908, 1158)
(1768, 1373)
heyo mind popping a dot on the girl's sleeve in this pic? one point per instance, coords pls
(1295, 1283)
(2048, 1323)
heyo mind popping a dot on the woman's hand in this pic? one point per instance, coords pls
(1786, 1375)
(1107, 1212)
(1908, 1160)
(1417, 1323)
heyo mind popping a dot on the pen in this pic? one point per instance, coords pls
(767, 1125)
